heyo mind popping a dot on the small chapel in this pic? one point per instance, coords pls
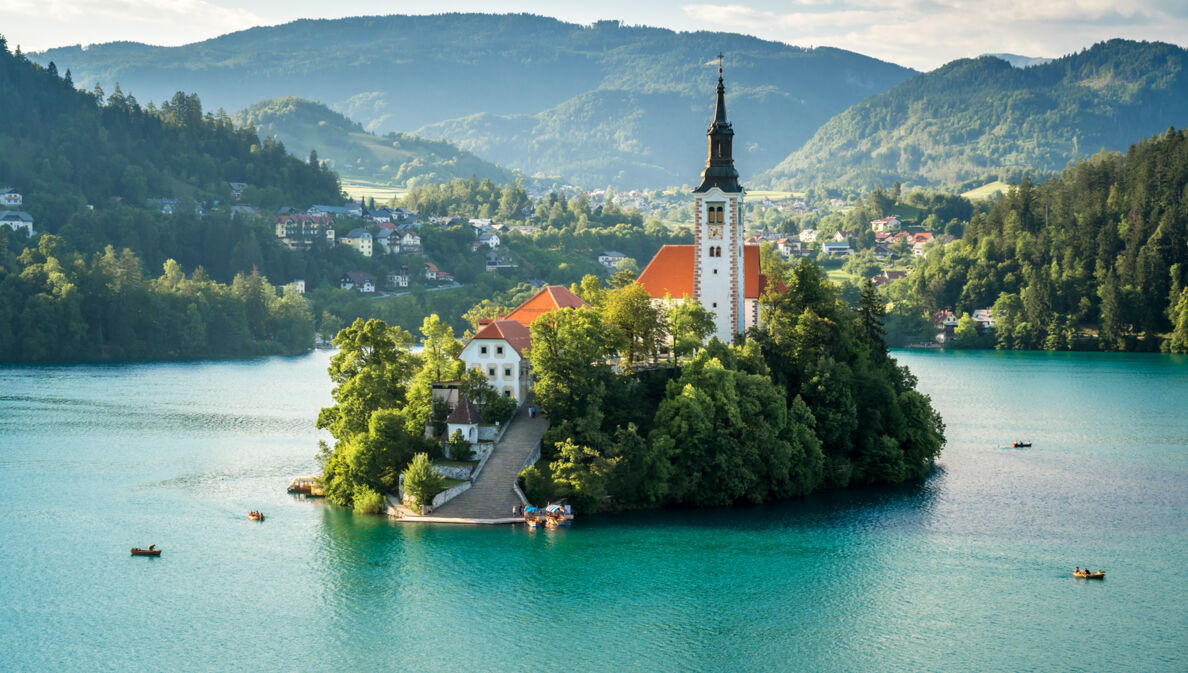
(717, 270)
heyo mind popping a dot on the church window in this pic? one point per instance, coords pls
(715, 213)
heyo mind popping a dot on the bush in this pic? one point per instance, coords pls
(460, 447)
(421, 482)
(499, 410)
(537, 486)
(368, 501)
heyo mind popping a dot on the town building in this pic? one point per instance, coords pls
(17, 220)
(399, 278)
(500, 347)
(611, 258)
(718, 269)
(237, 189)
(357, 280)
(9, 198)
(890, 223)
(360, 239)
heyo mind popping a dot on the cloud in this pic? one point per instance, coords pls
(927, 33)
(194, 15)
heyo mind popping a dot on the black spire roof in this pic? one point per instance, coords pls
(719, 165)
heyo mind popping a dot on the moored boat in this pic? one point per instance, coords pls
(151, 551)
(1020, 445)
(1086, 575)
(256, 516)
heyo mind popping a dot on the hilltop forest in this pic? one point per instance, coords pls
(1095, 258)
(398, 159)
(981, 118)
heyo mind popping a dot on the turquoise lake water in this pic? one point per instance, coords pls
(967, 571)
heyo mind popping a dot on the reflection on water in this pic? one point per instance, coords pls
(967, 569)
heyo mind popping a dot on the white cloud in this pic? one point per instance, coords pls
(172, 20)
(927, 33)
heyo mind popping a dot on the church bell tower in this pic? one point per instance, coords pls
(718, 272)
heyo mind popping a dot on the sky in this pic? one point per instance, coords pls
(921, 34)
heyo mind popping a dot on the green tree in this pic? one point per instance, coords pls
(421, 482)
(371, 371)
(581, 475)
(689, 324)
(637, 323)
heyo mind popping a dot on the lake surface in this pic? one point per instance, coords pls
(967, 571)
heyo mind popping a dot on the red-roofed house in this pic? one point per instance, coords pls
(550, 298)
(500, 348)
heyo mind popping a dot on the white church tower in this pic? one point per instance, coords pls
(719, 272)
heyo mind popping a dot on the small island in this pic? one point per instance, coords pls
(721, 374)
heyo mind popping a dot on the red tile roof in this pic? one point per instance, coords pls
(671, 272)
(465, 413)
(511, 331)
(550, 298)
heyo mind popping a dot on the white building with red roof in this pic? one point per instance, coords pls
(719, 270)
(500, 347)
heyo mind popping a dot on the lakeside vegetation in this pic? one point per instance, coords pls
(59, 304)
(1096, 258)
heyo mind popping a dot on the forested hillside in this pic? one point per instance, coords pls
(983, 117)
(85, 164)
(1097, 258)
(398, 159)
(402, 73)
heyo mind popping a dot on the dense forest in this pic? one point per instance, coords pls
(85, 164)
(974, 118)
(1096, 258)
(809, 400)
(309, 129)
(59, 304)
(607, 94)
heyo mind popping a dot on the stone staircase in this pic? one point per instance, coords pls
(491, 495)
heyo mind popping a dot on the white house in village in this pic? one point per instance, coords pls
(399, 278)
(465, 418)
(410, 242)
(611, 258)
(807, 235)
(500, 348)
(10, 198)
(890, 223)
(357, 280)
(17, 220)
(489, 239)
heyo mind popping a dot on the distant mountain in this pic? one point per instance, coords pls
(609, 99)
(396, 158)
(1021, 61)
(978, 117)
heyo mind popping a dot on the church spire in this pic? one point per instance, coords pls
(719, 165)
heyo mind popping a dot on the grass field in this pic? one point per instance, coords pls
(360, 189)
(987, 191)
(839, 276)
(774, 195)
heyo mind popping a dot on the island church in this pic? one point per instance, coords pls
(717, 270)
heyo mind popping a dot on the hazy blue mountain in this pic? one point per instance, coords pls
(395, 158)
(1021, 61)
(979, 117)
(603, 89)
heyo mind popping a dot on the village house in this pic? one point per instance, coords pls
(788, 246)
(357, 280)
(382, 215)
(808, 236)
(945, 322)
(299, 285)
(360, 239)
(836, 248)
(350, 210)
(17, 220)
(500, 347)
(890, 223)
(399, 278)
(499, 260)
(983, 319)
(489, 239)
(611, 258)
(10, 198)
(237, 189)
(298, 232)
(410, 242)
(888, 276)
(388, 239)
(434, 273)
